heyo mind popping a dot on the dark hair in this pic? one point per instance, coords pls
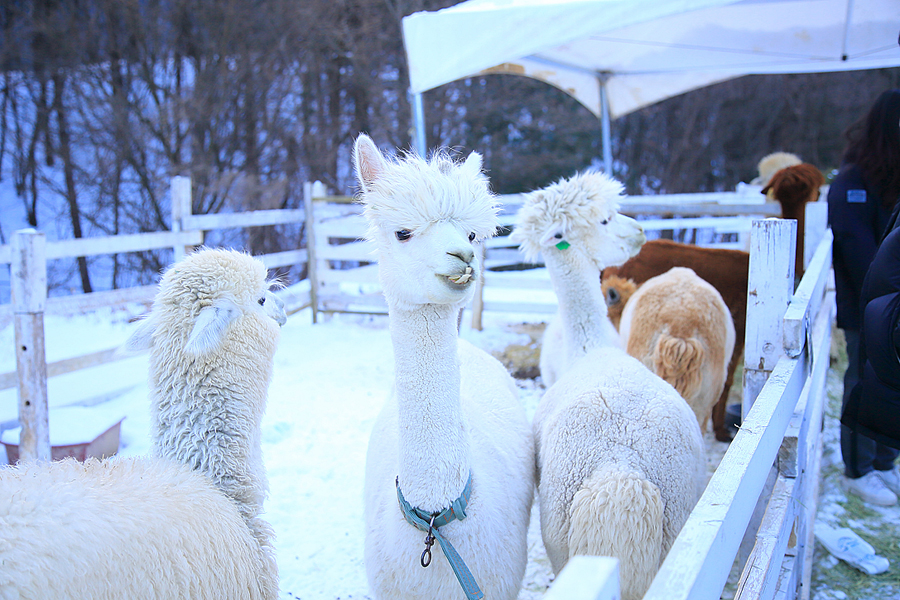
(874, 146)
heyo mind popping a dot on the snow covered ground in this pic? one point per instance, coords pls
(329, 383)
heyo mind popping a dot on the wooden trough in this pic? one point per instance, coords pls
(78, 432)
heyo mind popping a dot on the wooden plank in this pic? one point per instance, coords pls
(770, 285)
(28, 283)
(182, 206)
(587, 578)
(252, 218)
(354, 251)
(374, 304)
(366, 275)
(117, 244)
(814, 228)
(520, 307)
(719, 224)
(313, 260)
(288, 258)
(807, 419)
(700, 560)
(634, 207)
(806, 299)
(760, 575)
(352, 226)
(512, 280)
(785, 588)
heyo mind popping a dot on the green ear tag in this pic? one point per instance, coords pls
(563, 245)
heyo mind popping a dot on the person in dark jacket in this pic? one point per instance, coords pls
(861, 200)
(873, 409)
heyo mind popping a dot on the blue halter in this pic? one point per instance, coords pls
(430, 523)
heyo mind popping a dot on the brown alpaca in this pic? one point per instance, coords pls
(793, 187)
(727, 271)
(616, 291)
(678, 325)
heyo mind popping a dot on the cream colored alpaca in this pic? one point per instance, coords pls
(678, 325)
(186, 522)
(454, 412)
(620, 456)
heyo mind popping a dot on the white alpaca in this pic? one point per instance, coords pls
(620, 457)
(678, 325)
(453, 413)
(585, 202)
(183, 523)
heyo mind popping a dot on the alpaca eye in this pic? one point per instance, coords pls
(604, 221)
(472, 237)
(403, 234)
(558, 236)
(262, 301)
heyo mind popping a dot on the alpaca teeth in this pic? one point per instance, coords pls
(463, 278)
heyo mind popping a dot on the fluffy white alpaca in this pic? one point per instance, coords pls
(185, 522)
(620, 457)
(454, 412)
(678, 325)
(580, 204)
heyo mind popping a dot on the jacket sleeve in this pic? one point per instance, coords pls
(853, 216)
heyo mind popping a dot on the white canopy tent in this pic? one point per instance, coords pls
(616, 56)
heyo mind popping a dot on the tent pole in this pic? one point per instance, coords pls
(604, 123)
(418, 114)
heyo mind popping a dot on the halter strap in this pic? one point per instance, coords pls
(431, 522)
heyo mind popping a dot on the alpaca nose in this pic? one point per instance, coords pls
(466, 255)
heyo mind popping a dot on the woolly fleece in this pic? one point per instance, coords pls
(621, 464)
(122, 529)
(679, 327)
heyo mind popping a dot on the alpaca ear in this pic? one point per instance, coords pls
(210, 326)
(473, 163)
(140, 339)
(370, 164)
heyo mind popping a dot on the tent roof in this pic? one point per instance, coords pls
(647, 50)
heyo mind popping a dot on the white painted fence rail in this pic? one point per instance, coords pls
(188, 231)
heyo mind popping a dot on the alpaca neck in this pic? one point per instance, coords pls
(207, 422)
(797, 211)
(582, 310)
(434, 445)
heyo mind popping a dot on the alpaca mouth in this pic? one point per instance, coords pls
(462, 279)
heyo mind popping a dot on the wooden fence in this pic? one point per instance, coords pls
(760, 503)
(28, 256)
(343, 267)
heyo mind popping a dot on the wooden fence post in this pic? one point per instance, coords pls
(311, 263)
(181, 207)
(769, 288)
(478, 298)
(29, 297)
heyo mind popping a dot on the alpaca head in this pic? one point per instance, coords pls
(425, 218)
(617, 291)
(794, 186)
(772, 163)
(578, 217)
(207, 298)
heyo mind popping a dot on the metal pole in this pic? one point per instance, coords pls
(418, 112)
(604, 121)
